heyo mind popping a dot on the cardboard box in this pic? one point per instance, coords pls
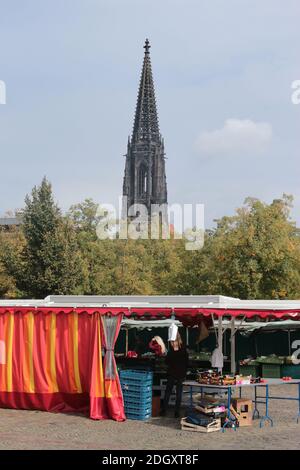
(155, 406)
(242, 410)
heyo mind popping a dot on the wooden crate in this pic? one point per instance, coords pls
(210, 410)
(214, 426)
(242, 410)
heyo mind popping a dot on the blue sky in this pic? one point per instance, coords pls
(223, 72)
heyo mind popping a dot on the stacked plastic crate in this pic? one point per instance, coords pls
(137, 393)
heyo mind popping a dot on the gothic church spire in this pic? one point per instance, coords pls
(145, 177)
(146, 126)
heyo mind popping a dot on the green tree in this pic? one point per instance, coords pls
(41, 217)
(12, 243)
(63, 269)
(7, 284)
(134, 268)
(117, 267)
(167, 257)
(50, 261)
(84, 216)
(254, 254)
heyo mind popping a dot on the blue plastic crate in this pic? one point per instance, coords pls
(138, 403)
(137, 412)
(137, 393)
(138, 409)
(134, 389)
(139, 383)
(136, 375)
(136, 386)
(129, 402)
(135, 399)
(138, 416)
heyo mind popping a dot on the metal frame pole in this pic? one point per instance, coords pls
(298, 416)
(126, 342)
(266, 417)
(232, 347)
(220, 334)
(187, 336)
(255, 411)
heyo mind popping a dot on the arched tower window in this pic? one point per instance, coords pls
(143, 180)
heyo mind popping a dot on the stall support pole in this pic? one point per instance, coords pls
(232, 346)
(220, 335)
(298, 417)
(126, 343)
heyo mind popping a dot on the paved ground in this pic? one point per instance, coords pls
(40, 430)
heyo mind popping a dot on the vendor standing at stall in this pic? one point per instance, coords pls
(177, 364)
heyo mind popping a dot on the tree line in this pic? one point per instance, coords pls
(253, 254)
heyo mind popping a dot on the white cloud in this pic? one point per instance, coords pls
(236, 137)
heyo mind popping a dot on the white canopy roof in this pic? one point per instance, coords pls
(159, 301)
(171, 301)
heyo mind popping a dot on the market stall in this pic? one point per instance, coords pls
(266, 363)
(57, 354)
(51, 359)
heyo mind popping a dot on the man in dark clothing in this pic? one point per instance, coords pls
(177, 363)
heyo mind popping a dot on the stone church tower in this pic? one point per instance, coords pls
(145, 177)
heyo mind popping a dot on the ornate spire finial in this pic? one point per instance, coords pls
(147, 46)
(145, 126)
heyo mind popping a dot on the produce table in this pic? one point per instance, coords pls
(230, 389)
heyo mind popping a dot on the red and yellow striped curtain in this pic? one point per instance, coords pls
(53, 361)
